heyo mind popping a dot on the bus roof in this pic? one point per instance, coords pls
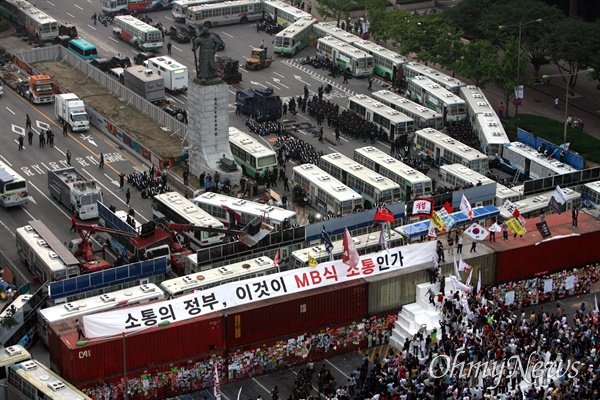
(491, 128)
(375, 49)
(245, 206)
(396, 100)
(188, 210)
(133, 22)
(47, 381)
(82, 43)
(223, 4)
(442, 140)
(14, 354)
(302, 23)
(167, 63)
(213, 276)
(44, 238)
(103, 302)
(345, 47)
(248, 143)
(392, 164)
(360, 171)
(466, 174)
(380, 108)
(433, 74)
(437, 90)
(325, 182)
(536, 157)
(476, 101)
(537, 202)
(324, 29)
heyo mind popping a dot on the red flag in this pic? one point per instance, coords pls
(448, 207)
(516, 213)
(350, 255)
(276, 260)
(383, 215)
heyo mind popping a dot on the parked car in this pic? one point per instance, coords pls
(195, 30)
(118, 74)
(63, 40)
(120, 61)
(180, 35)
(177, 113)
(141, 57)
(101, 63)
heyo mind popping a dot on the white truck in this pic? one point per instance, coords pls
(75, 192)
(70, 108)
(173, 72)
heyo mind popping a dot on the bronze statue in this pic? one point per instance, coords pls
(206, 68)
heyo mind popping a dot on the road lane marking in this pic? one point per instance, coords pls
(78, 7)
(10, 111)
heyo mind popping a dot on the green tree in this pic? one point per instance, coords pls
(334, 9)
(421, 35)
(505, 75)
(389, 24)
(448, 51)
(574, 45)
(479, 58)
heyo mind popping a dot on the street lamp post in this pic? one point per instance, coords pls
(589, 70)
(520, 25)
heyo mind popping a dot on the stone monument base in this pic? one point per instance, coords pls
(208, 128)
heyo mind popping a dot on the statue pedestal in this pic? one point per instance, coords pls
(208, 129)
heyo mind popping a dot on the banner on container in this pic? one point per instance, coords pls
(548, 284)
(509, 298)
(570, 282)
(233, 294)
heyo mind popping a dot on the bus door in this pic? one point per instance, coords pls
(437, 156)
(392, 132)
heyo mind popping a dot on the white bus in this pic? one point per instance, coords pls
(592, 191)
(34, 381)
(282, 13)
(234, 212)
(137, 33)
(446, 150)
(113, 7)
(253, 157)
(45, 256)
(413, 69)
(476, 101)
(365, 244)
(36, 22)
(207, 279)
(324, 192)
(491, 133)
(175, 74)
(13, 188)
(532, 206)
(386, 63)
(330, 29)
(173, 208)
(294, 38)
(393, 122)
(531, 163)
(10, 356)
(412, 182)
(359, 63)
(430, 94)
(373, 187)
(108, 301)
(459, 176)
(180, 7)
(423, 116)
(230, 12)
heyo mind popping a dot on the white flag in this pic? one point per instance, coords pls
(456, 272)
(465, 207)
(435, 261)
(217, 385)
(477, 232)
(431, 233)
(560, 196)
(463, 266)
(468, 282)
(479, 283)
(596, 309)
(458, 285)
(495, 228)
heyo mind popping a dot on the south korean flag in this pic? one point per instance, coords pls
(477, 232)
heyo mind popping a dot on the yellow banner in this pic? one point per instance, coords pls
(438, 222)
(312, 262)
(515, 226)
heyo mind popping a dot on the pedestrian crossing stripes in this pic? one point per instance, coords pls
(310, 71)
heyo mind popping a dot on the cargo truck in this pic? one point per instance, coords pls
(145, 83)
(174, 73)
(75, 192)
(38, 89)
(70, 109)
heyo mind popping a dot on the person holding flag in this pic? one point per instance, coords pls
(383, 237)
(465, 207)
(350, 255)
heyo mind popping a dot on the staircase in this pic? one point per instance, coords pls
(416, 315)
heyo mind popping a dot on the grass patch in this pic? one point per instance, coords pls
(553, 131)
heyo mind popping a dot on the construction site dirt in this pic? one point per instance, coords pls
(126, 117)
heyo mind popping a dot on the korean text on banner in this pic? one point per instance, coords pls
(511, 208)
(560, 195)
(465, 207)
(515, 226)
(438, 222)
(233, 294)
(422, 207)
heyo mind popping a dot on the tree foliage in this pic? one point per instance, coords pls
(334, 9)
(479, 57)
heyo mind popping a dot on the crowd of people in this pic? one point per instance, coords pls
(463, 132)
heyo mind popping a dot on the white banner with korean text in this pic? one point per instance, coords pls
(247, 291)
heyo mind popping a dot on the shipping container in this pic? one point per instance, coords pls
(526, 257)
(155, 347)
(277, 317)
